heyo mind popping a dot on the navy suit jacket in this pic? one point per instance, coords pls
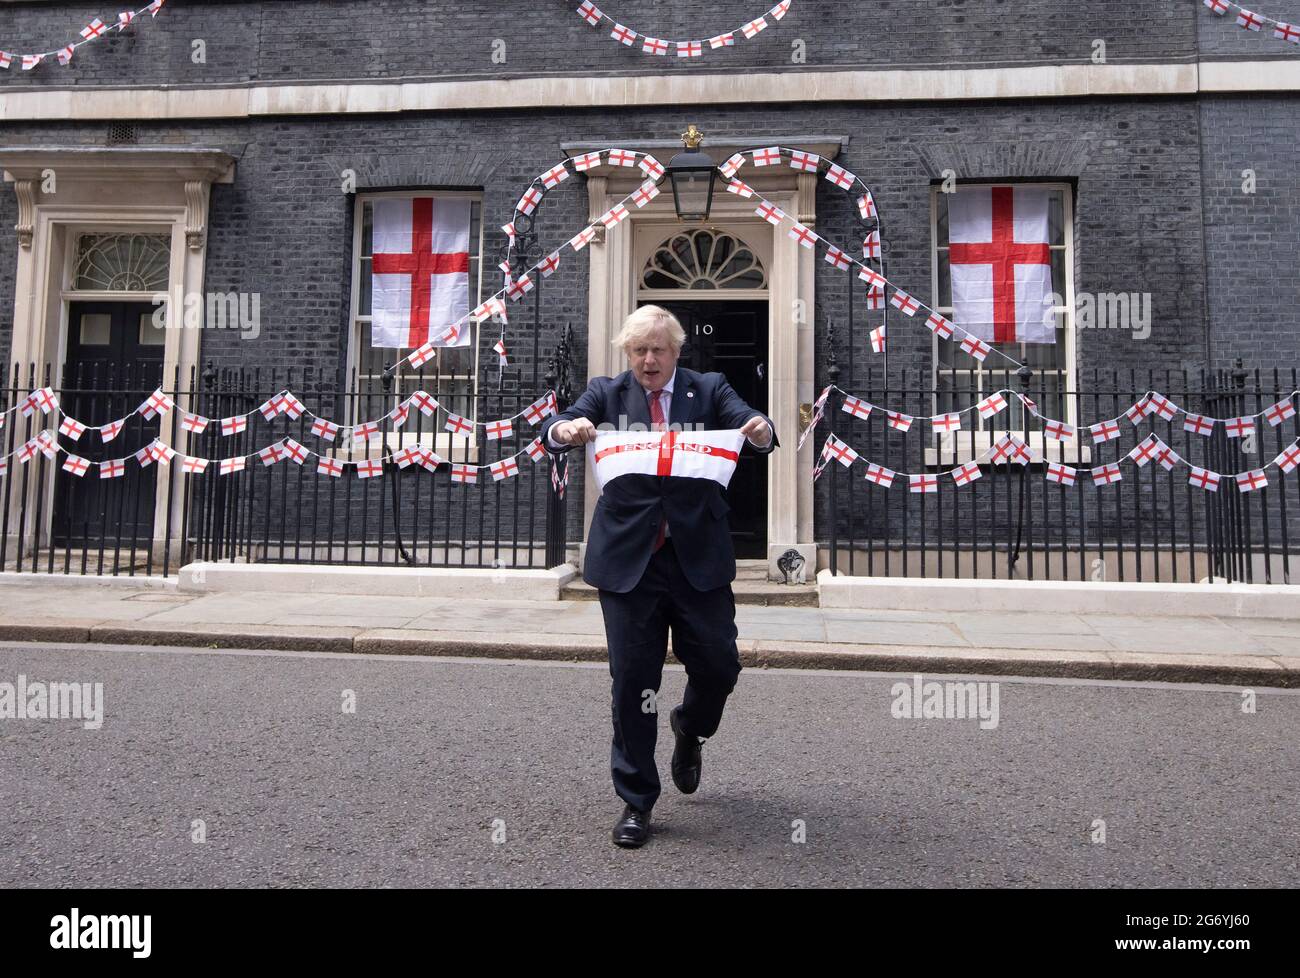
(628, 513)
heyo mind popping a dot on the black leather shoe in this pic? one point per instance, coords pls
(632, 829)
(688, 762)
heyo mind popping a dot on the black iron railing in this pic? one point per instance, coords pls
(155, 518)
(1014, 524)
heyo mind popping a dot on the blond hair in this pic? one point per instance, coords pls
(645, 321)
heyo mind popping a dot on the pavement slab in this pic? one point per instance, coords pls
(1171, 648)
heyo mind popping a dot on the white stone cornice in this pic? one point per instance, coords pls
(127, 163)
(626, 91)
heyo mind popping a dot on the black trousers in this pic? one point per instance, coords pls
(637, 623)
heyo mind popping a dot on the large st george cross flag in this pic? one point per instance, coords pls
(684, 454)
(420, 269)
(1000, 256)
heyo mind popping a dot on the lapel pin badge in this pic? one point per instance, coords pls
(690, 393)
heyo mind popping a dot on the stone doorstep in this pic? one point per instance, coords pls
(747, 592)
(1229, 670)
(13, 579)
(1274, 601)
(444, 582)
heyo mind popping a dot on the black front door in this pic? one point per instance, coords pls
(114, 362)
(731, 338)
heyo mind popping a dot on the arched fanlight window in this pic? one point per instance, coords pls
(122, 263)
(703, 259)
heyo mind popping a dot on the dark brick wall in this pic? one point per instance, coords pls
(274, 40)
(1252, 239)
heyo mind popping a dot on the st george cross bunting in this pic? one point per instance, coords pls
(684, 454)
(420, 267)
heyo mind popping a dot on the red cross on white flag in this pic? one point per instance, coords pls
(964, 475)
(157, 403)
(991, 405)
(195, 423)
(681, 454)
(880, 475)
(1061, 473)
(370, 468)
(72, 428)
(458, 425)
(1001, 263)
(900, 422)
(1058, 430)
(645, 193)
(75, 464)
(939, 326)
(1103, 431)
(1104, 475)
(1289, 459)
(504, 469)
(878, 339)
(1204, 479)
(322, 428)
(841, 177)
(420, 269)
(856, 407)
(329, 466)
(113, 468)
(408, 456)
(499, 429)
(1250, 481)
(1280, 412)
(1198, 424)
(923, 483)
(1240, 427)
(808, 162)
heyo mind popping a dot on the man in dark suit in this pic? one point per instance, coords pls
(660, 553)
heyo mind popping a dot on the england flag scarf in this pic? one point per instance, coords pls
(685, 454)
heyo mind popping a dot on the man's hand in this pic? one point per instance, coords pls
(758, 431)
(577, 432)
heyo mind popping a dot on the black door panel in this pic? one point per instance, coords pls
(114, 361)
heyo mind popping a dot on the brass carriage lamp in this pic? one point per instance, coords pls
(693, 173)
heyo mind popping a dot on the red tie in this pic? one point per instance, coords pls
(658, 422)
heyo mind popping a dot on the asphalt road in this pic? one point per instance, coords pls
(471, 773)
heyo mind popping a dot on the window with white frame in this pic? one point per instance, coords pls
(960, 380)
(452, 375)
